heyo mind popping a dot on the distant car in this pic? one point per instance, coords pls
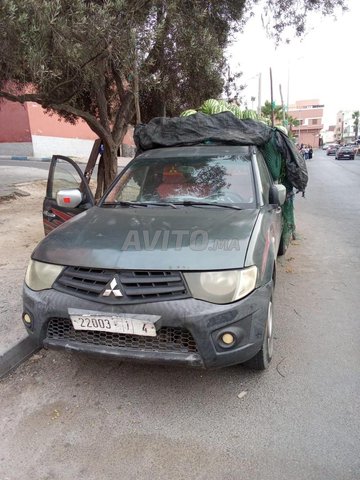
(332, 150)
(327, 145)
(354, 147)
(345, 153)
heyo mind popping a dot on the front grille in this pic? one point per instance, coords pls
(168, 339)
(135, 286)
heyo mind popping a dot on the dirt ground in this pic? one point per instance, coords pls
(20, 230)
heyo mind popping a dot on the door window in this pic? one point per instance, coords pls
(65, 178)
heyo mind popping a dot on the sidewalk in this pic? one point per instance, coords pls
(122, 161)
(20, 230)
(24, 158)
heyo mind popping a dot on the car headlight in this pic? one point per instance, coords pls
(40, 276)
(222, 287)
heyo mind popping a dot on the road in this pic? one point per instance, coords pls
(65, 416)
(17, 171)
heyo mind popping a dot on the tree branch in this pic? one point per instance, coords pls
(157, 49)
(123, 116)
(26, 97)
(91, 120)
(119, 80)
(65, 82)
(101, 98)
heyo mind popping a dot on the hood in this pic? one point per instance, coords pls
(151, 238)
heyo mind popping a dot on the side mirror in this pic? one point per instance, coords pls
(69, 198)
(277, 194)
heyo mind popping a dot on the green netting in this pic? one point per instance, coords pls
(277, 168)
(288, 219)
(273, 158)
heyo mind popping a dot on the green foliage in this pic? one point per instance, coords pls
(88, 54)
(266, 111)
(355, 117)
(283, 18)
(291, 121)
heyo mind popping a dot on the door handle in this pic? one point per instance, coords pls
(49, 214)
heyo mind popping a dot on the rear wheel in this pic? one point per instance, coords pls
(263, 358)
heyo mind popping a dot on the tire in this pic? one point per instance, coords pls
(263, 358)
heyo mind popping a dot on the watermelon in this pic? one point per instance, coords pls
(187, 113)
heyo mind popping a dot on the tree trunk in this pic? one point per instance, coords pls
(107, 169)
(100, 180)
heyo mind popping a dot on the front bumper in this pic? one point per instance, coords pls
(203, 321)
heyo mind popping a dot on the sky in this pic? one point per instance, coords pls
(324, 64)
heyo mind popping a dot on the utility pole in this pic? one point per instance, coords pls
(288, 91)
(283, 107)
(259, 96)
(272, 100)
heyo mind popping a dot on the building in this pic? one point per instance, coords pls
(345, 129)
(27, 130)
(310, 115)
(328, 136)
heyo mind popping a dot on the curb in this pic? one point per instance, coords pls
(15, 354)
(48, 159)
(25, 158)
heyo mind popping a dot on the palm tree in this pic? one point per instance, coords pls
(266, 111)
(278, 112)
(292, 122)
(355, 117)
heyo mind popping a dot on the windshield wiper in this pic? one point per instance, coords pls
(123, 203)
(193, 203)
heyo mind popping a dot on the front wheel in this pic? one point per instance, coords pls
(263, 358)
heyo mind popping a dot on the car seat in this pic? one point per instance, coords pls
(173, 182)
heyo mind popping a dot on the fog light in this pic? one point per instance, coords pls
(27, 319)
(228, 338)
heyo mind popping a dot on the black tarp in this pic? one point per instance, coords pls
(221, 128)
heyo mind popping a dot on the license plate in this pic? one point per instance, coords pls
(125, 323)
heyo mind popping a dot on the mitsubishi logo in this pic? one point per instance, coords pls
(113, 289)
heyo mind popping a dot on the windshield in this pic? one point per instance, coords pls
(212, 179)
